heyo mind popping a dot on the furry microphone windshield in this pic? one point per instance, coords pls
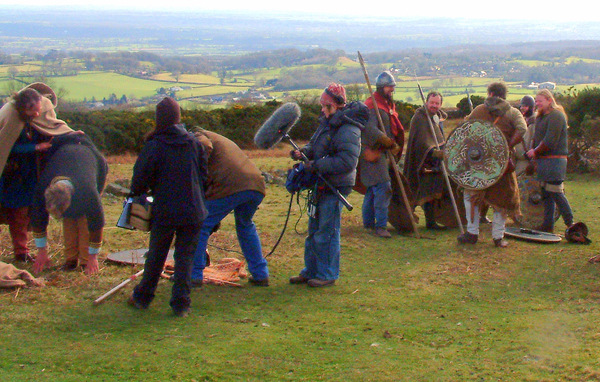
(278, 125)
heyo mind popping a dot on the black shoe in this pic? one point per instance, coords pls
(382, 232)
(317, 283)
(500, 243)
(435, 227)
(135, 304)
(70, 265)
(467, 238)
(298, 280)
(264, 282)
(544, 228)
(197, 283)
(181, 313)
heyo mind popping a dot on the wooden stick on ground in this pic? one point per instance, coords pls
(118, 287)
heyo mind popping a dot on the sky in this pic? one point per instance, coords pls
(573, 10)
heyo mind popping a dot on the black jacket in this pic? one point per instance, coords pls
(172, 168)
(335, 146)
(73, 156)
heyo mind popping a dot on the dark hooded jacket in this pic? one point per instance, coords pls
(335, 146)
(172, 168)
(73, 156)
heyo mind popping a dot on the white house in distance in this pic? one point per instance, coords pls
(543, 85)
(547, 85)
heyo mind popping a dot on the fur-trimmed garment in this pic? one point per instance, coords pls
(46, 123)
(503, 196)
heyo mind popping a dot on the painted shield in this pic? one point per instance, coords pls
(532, 207)
(132, 256)
(476, 155)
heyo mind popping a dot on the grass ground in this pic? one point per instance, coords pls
(403, 309)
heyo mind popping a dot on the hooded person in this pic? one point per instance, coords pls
(27, 124)
(333, 152)
(503, 196)
(45, 121)
(374, 168)
(172, 167)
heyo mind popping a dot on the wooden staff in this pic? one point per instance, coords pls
(390, 157)
(443, 163)
(115, 289)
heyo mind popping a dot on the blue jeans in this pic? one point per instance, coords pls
(243, 204)
(161, 236)
(375, 205)
(322, 246)
(551, 200)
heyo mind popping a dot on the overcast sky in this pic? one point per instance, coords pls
(573, 10)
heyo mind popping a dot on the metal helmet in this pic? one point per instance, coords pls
(385, 79)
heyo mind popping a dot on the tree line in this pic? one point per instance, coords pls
(298, 74)
(122, 131)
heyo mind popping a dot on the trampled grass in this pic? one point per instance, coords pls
(403, 309)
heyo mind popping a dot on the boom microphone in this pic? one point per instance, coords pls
(277, 126)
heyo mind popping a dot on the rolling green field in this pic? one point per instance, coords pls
(99, 85)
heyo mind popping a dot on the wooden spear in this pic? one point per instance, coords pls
(390, 157)
(115, 289)
(443, 163)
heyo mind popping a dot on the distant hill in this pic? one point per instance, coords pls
(170, 33)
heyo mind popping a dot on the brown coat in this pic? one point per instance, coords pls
(229, 169)
(46, 123)
(424, 185)
(504, 194)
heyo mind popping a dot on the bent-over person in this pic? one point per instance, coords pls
(69, 188)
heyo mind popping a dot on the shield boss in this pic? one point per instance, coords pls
(476, 155)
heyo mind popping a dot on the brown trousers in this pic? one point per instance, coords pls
(77, 240)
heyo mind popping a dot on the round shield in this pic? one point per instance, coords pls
(532, 207)
(476, 155)
(132, 256)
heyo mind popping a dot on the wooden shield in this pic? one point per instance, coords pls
(532, 207)
(532, 235)
(132, 256)
(476, 155)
